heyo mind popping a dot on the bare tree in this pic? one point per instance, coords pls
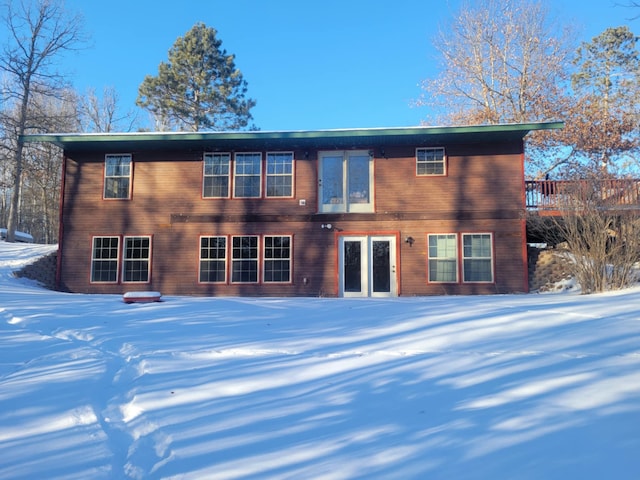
(102, 114)
(43, 169)
(39, 32)
(503, 61)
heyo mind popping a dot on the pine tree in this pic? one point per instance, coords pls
(199, 88)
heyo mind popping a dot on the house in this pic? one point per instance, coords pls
(356, 212)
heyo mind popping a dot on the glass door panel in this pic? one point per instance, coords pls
(352, 266)
(381, 266)
(358, 175)
(332, 183)
(359, 181)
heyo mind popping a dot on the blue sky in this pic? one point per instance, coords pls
(309, 65)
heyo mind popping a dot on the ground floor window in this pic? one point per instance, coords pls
(213, 259)
(137, 256)
(277, 259)
(252, 259)
(244, 259)
(136, 259)
(104, 259)
(443, 258)
(477, 257)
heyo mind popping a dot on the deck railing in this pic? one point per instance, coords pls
(560, 195)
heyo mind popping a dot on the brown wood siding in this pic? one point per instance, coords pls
(481, 193)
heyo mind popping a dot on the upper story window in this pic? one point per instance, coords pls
(216, 175)
(242, 177)
(117, 177)
(247, 175)
(346, 181)
(430, 161)
(279, 174)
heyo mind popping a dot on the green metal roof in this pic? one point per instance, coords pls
(339, 138)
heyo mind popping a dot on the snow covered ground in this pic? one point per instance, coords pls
(483, 387)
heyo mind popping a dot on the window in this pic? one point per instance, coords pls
(280, 174)
(346, 181)
(216, 175)
(443, 258)
(247, 173)
(104, 259)
(477, 257)
(244, 259)
(213, 259)
(117, 176)
(277, 259)
(137, 255)
(430, 161)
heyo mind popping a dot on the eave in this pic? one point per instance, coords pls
(296, 139)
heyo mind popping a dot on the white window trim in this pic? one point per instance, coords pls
(491, 258)
(265, 259)
(105, 177)
(345, 206)
(205, 176)
(267, 174)
(236, 175)
(232, 260)
(444, 162)
(226, 259)
(456, 258)
(125, 260)
(117, 259)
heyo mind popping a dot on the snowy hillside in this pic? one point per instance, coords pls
(495, 387)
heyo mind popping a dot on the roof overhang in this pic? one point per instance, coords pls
(297, 139)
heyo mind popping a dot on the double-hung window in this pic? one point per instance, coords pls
(104, 259)
(430, 161)
(117, 177)
(213, 259)
(137, 259)
(443, 258)
(279, 174)
(244, 259)
(247, 175)
(216, 175)
(477, 257)
(346, 181)
(277, 259)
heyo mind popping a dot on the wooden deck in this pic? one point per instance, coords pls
(553, 197)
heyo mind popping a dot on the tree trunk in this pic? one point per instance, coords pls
(12, 223)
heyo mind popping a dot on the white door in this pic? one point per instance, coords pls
(368, 266)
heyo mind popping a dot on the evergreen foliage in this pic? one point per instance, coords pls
(199, 88)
